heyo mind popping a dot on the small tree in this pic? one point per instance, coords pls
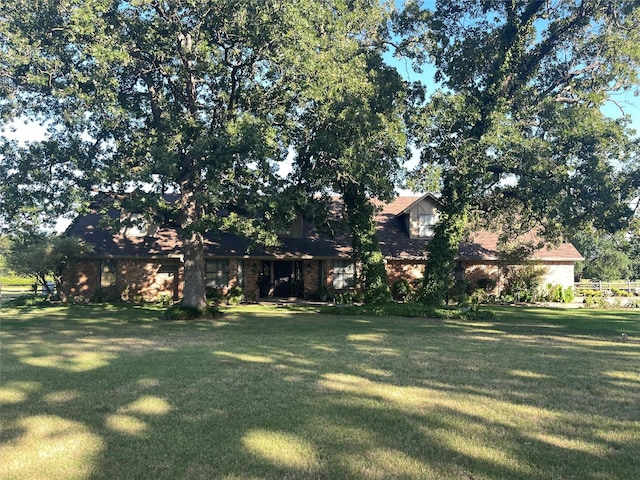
(521, 275)
(41, 256)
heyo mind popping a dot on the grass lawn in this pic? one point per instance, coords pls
(104, 392)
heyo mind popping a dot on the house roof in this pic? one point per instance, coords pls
(395, 242)
(483, 245)
(166, 243)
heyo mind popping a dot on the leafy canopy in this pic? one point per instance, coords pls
(517, 132)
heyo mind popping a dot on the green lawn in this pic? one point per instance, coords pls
(103, 392)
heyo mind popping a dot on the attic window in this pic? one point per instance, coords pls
(426, 224)
(137, 226)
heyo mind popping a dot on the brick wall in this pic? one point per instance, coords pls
(311, 275)
(81, 278)
(251, 269)
(407, 269)
(150, 279)
(143, 278)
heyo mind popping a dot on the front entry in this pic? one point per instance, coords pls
(287, 278)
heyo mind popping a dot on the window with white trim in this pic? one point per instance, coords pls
(217, 273)
(426, 224)
(344, 274)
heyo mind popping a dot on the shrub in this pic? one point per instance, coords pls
(105, 295)
(28, 301)
(214, 294)
(522, 281)
(620, 293)
(567, 295)
(555, 293)
(235, 296)
(400, 290)
(164, 300)
(345, 298)
(592, 293)
(487, 284)
(182, 312)
(411, 310)
(77, 299)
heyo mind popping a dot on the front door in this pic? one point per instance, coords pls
(282, 278)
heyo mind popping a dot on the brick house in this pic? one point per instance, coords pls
(149, 263)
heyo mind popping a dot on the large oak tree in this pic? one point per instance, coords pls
(517, 132)
(147, 97)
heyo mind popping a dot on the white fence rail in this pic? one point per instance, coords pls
(629, 286)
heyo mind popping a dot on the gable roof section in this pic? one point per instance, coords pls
(392, 230)
(404, 204)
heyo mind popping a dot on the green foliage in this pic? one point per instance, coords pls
(616, 292)
(235, 296)
(522, 281)
(592, 293)
(344, 298)
(558, 293)
(366, 249)
(105, 295)
(43, 256)
(350, 134)
(400, 289)
(164, 300)
(517, 134)
(201, 99)
(607, 256)
(442, 251)
(214, 295)
(411, 310)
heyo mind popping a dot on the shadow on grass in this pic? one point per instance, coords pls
(116, 393)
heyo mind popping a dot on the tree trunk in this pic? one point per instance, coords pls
(194, 294)
(60, 287)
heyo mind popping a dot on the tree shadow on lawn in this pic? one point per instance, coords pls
(341, 398)
(582, 321)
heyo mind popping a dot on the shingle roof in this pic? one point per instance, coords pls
(391, 228)
(165, 242)
(483, 245)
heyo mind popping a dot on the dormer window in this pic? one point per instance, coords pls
(426, 224)
(137, 226)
